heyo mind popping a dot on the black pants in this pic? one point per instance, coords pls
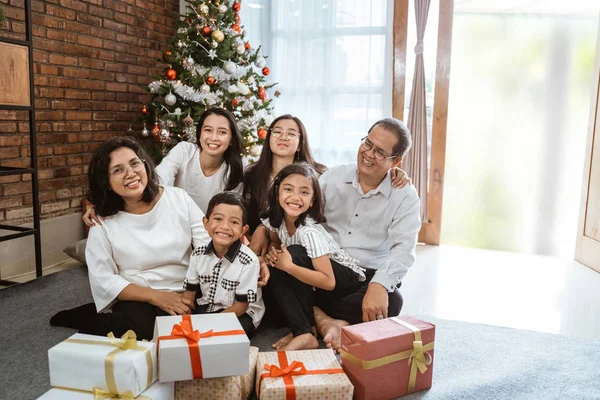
(126, 315)
(245, 319)
(296, 299)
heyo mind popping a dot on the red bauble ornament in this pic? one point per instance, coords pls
(262, 133)
(188, 21)
(236, 7)
(144, 110)
(210, 80)
(236, 28)
(167, 55)
(170, 74)
(266, 71)
(155, 130)
(206, 30)
(247, 45)
(237, 18)
(235, 102)
(262, 93)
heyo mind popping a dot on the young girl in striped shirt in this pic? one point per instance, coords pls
(308, 267)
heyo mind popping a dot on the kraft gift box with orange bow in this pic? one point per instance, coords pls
(301, 375)
(158, 391)
(116, 366)
(200, 346)
(388, 358)
(228, 388)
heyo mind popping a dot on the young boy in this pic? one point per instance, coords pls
(223, 275)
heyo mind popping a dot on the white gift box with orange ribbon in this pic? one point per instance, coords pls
(158, 391)
(118, 366)
(388, 358)
(201, 346)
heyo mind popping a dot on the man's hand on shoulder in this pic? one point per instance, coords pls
(375, 302)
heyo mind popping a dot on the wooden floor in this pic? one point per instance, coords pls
(538, 293)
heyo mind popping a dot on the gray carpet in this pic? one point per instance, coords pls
(471, 361)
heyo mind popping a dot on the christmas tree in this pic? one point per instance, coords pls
(210, 64)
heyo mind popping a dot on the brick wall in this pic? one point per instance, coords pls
(92, 60)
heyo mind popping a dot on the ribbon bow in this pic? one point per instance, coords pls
(128, 340)
(421, 358)
(100, 394)
(184, 329)
(295, 368)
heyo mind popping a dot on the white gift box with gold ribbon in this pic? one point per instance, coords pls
(158, 391)
(117, 366)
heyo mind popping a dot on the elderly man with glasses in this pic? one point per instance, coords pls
(375, 223)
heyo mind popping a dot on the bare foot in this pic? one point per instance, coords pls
(306, 341)
(330, 329)
(281, 343)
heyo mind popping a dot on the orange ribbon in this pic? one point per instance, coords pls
(184, 330)
(287, 371)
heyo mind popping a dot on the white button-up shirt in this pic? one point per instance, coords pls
(378, 228)
(222, 281)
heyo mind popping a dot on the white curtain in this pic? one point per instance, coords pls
(415, 162)
(332, 60)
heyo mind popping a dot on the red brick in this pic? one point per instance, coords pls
(94, 106)
(103, 96)
(89, 41)
(103, 33)
(53, 207)
(9, 152)
(62, 60)
(102, 75)
(53, 92)
(11, 140)
(100, 12)
(19, 213)
(10, 179)
(64, 105)
(92, 85)
(40, 57)
(49, 115)
(17, 188)
(78, 115)
(63, 36)
(75, 5)
(89, 19)
(66, 126)
(116, 87)
(60, 12)
(44, 150)
(114, 26)
(93, 64)
(77, 94)
(76, 73)
(115, 5)
(10, 202)
(45, 174)
(7, 127)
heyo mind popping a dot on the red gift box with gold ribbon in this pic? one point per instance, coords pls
(297, 375)
(201, 346)
(388, 358)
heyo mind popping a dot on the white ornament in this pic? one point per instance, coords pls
(179, 44)
(233, 89)
(248, 106)
(240, 49)
(190, 61)
(255, 150)
(214, 44)
(170, 99)
(145, 131)
(177, 112)
(260, 62)
(222, 8)
(269, 119)
(238, 41)
(251, 80)
(212, 54)
(205, 88)
(204, 9)
(229, 67)
(244, 89)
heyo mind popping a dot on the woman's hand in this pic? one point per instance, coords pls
(172, 303)
(260, 241)
(264, 273)
(399, 178)
(90, 216)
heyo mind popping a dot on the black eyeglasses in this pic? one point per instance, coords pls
(366, 144)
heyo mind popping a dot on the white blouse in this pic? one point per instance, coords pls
(181, 168)
(317, 242)
(150, 250)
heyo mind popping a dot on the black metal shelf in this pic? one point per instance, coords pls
(5, 171)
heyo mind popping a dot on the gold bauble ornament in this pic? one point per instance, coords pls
(218, 36)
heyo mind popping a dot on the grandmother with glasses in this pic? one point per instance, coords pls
(137, 259)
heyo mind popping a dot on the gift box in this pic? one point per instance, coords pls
(201, 346)
(299, 375)
(228, 388)
(157, 391)
(117, 366)
(388, 358)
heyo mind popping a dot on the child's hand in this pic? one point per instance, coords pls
(264, 274)
(284, 259)
(271, 256)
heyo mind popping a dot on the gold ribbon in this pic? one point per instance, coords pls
(418, 357)
(128, 342)
(100, 394)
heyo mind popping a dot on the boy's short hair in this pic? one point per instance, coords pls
(231, 198)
